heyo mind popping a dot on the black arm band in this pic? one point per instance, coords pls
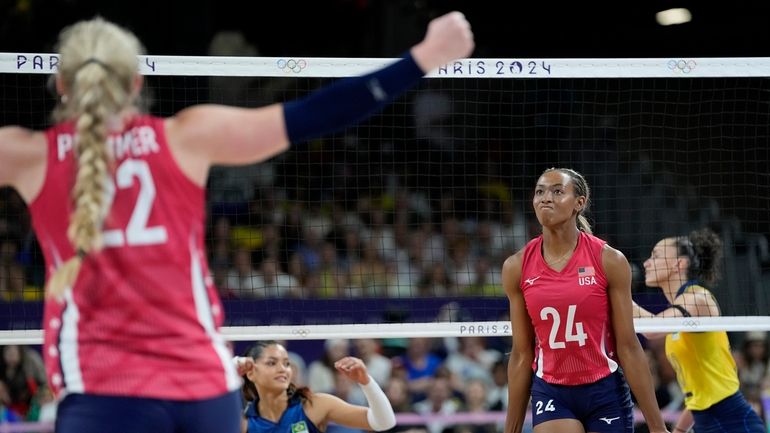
(349, 101)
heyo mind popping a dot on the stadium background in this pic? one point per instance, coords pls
(386, 28)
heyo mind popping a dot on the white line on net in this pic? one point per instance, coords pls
(434, 329)
(46, 63)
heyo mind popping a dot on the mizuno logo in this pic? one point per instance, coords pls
(609, 420)
(532, 280)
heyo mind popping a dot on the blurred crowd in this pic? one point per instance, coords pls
(397, 244)
(426, 376)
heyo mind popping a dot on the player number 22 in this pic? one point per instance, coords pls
(572, 332)
(137, 232)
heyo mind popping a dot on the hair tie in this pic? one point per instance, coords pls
(81, 253)
(104, 65)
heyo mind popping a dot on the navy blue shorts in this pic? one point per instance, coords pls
(83, 413)
(733, 415)
(604, 406)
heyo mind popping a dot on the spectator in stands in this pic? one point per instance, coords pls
(752, 363)
(272, 282)
(473, 361)
(439, 400)
(23, 373)
(243, 279)
(497, 397)
(475, 402)
(7, 414)
(334, 277)
(370, 274)
(419, 364)
(321, 372)
(368, 350)
(435, 282)
(12, 275)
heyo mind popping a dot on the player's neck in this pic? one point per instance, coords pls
(670, 288)
(118, 122)
(272, 405)
(559, 241)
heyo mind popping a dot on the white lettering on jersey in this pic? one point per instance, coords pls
(135, 142)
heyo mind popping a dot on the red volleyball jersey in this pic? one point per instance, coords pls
(570, 313)
(142, 318)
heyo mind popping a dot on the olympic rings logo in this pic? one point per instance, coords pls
(302, 332)
(291, 65)
(691, 323)
(686, 66)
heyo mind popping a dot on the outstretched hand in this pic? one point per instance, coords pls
(449, 37)
(353, 368)
(244, 364)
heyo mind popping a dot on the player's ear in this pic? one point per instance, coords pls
(580, 203)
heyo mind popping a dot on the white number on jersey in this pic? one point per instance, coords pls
(548, 407)
(572, 332)
(137, 232)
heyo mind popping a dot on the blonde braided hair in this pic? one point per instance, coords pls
(98, 66)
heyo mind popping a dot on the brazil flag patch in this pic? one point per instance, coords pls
(299, 427)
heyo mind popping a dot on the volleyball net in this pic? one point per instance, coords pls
(398, 227)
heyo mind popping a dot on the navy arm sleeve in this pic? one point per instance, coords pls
(349, 100)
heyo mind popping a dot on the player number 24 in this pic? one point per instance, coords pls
(548, 407)
(572, 331)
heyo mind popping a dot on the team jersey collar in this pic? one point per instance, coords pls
(686, 285)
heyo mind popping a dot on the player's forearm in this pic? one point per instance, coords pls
(637, 373)
(519, 383)
(684, 423)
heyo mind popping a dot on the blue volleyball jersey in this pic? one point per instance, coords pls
(293, 420)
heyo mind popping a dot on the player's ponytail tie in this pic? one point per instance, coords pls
(65, 275)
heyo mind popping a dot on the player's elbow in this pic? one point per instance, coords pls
(628, 350)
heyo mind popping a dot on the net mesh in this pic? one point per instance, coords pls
(406, 218)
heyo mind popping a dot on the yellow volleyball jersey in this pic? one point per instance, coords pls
(704, 365)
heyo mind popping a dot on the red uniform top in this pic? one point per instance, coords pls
(570, 313)
(142, 318)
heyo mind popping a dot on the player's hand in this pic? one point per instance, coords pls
(353, 368)
(244, 364)
(449, 37)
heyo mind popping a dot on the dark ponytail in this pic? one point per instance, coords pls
(703, 248)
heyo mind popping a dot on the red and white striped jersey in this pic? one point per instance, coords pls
(142, 318)
(570, 314)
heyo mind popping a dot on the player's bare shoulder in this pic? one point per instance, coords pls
(512, 272)
(613, 257)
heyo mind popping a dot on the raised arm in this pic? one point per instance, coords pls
(522, 350)
(208, 134)
(630, 352)
(23, 155)
(378, 416)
